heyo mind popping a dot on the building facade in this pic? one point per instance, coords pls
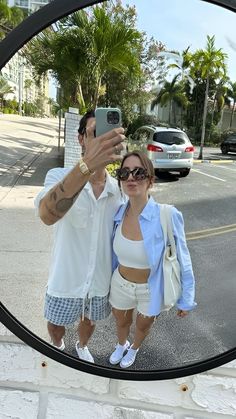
(19, 76)
(30, 5)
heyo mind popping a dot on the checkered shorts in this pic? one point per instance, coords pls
(63, 311)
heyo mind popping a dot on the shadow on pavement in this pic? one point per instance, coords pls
(35, 176)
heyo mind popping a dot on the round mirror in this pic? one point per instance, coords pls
(169, 37)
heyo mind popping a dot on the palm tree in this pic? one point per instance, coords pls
(113, 44)
(9, 17)
(83, 49)
(27, 85)
(231, 95)
(5, 89)
(219, 100)
(171, 92)
(210, 64)
(4, 18)
(182, 63)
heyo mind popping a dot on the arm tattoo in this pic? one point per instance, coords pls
(51, 212)
(53, 196)
(61, 186)
(65, 204)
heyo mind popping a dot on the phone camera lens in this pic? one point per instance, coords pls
(113, 117)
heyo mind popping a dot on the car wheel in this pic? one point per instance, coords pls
(184, 173)
(224, 149)
(161, 175)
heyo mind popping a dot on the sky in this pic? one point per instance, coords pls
(180, 23)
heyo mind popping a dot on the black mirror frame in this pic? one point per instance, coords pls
(30, 27)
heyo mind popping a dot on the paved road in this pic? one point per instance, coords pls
(207, 199)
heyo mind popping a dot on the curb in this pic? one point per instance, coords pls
(214, 161)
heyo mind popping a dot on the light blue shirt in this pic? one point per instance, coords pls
(150, 225)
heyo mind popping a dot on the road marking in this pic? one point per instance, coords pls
(205, 174)
(215, 231)
(227, 168)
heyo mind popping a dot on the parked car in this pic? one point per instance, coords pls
(170, 149)
(229, 144)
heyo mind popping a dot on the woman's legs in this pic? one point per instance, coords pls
(123, 322)
(143, 326)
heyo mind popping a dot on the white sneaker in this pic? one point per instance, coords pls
(129, 358)
(118, 353)
(61, 347)
(83, 353)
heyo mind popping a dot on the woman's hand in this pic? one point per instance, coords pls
(182, 313)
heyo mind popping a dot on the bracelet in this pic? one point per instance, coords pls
(84, 168)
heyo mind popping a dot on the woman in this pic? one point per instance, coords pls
(138, 246)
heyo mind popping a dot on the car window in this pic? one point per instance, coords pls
(232, 140)
(170, 137)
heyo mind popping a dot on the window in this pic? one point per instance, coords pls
(170, 137)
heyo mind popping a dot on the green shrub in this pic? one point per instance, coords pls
(111, 168)
(226, 133)
(141, 120)
(212, 136)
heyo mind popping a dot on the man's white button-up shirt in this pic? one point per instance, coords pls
(81, 260)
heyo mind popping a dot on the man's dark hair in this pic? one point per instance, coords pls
(83, 121)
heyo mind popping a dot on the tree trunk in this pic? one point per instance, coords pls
(174, 113)
(232, 115)
(97, 93)
(212, 117)
(170, 110)
(81, 98)
(221, 119)
(181, 117)
(204, 120)
(213, 110)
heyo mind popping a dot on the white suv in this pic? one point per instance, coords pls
(169, 148)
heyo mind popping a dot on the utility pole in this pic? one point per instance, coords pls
(20, 87)
(29, 7)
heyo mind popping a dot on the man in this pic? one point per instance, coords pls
(81, 203)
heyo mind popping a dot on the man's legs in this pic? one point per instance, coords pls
(56, 333)
(85, 329)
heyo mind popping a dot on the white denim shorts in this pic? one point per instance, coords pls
(126, 295)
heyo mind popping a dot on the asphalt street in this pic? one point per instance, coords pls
(207, 199)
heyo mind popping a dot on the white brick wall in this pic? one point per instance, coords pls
(72, 146)
(29, 390)
(18, 404)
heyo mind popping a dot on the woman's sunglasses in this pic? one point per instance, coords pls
(139, 173)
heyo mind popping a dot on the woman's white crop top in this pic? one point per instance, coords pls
(130, 253)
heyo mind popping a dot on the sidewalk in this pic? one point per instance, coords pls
(25, 243)
(213, 155)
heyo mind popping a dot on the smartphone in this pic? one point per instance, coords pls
(107, 119)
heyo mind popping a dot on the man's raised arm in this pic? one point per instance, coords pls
(99, 152)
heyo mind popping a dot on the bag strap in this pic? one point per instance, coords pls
(167, 226)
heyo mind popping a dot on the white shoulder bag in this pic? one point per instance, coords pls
(171, 267)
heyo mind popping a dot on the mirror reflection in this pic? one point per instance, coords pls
(169, 75)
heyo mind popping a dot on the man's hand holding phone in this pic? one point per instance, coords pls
(105, 148)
